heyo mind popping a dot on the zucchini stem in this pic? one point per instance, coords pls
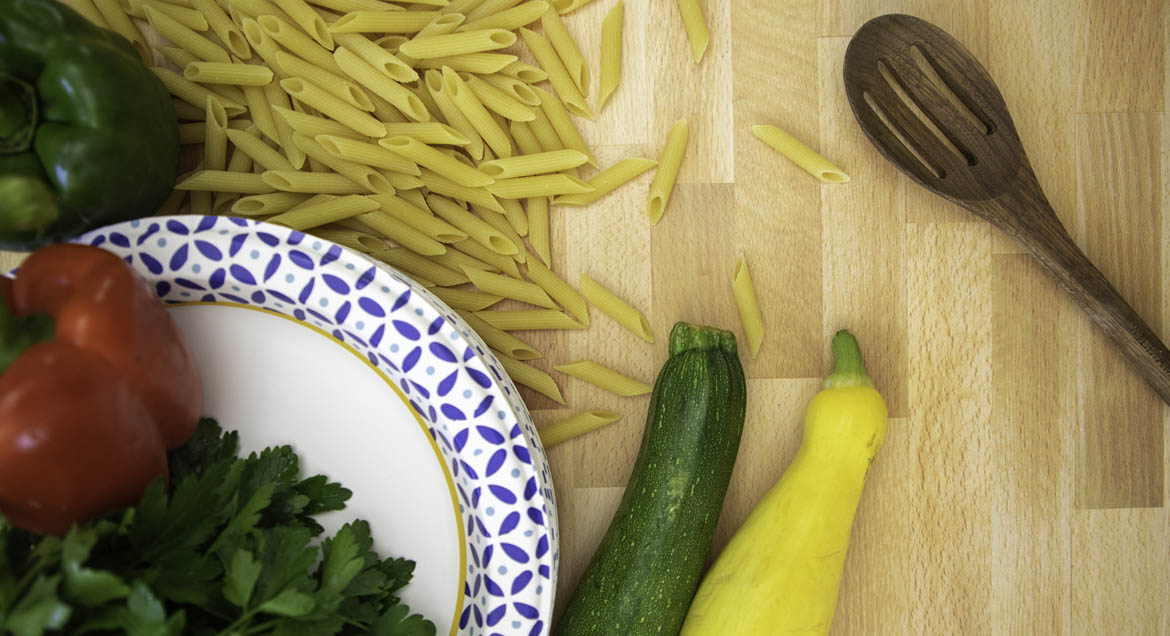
(848, 366)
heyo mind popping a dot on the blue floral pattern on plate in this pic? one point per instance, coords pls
(452, 380)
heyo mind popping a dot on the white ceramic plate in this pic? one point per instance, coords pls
(378, 385)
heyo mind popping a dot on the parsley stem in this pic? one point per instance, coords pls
(234, 628)
(262, 627)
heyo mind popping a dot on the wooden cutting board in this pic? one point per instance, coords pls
(1021, 488)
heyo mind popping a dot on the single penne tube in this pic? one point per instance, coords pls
(338, 86)
(90, 12)
(185, 16)
(748, 305)
(478, 251)
(254, 8)
(403, 182)
(499, 101)
(420, 219)
(611, 53)
(616, 308)
(538, 234)
(514, 213)
(463, 43)
(391, 227)
(568, 6)
(416, 197)
(538, 186)
(489, 7)
(803, 156)
(117, 21)
(297, 43)
(527, 375)
(333, 107)
(561, 123)
(440, 184)
(514, 88)
(264, 204)
(528, 319)
(316, 199)
(534, 164)
(454, 259)
(575, 426)
(608, 180)
(427, 157)
(222, 26)
(604, 377)
(461, 6)
(480, 63)
(391, 42)
(385, 112)
(525, 140)
(433, 133)
(280, 101)
(499, 339)
(193, 93)
(264, 155)
(308, 20)
(562, 82)
(179, 57)
(365, 176)
(311, 182)
(382, 22)
(416, 264)
(433, 81)
(507, 287)
(558, 289)
(214, 136)
(369, 77)
(261, 111)
(376, 56)
(463, 98)
(464, 299)
(696, 27)
(566, 47)
(353, 239)
(443, 24)
(524, 72)
(366, 154)
(667, 174)
(500, 222)
(222, 201)
(472, 225)
(263, 45)
(174, 201)
(510, 19)
(346, 6)
(324, 213)
(200, 202)
(311, 126)
(234, 74)
(224, 181)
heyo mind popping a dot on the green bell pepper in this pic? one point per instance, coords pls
(88, 135)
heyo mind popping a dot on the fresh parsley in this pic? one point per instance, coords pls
(231, 548)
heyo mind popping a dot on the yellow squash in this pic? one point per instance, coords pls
(780, 573)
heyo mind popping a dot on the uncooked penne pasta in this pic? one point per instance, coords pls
(509, 19)
(604, 377)
(222, 26)
(576, 426)
(748, 306)
(239, 162)
(464, 299)
(403, 182)
(531, 377)
(323, 213)
(353, 239)
(366, 154)
(498, 339)
(117, 21)
(330, 105)
(476, 250)
(234, 74)
(264, 155)
(420, 219)
(321, 182)
(803, 156)
(538, 186)
(667, 174)
(297, 43)
(608, 180)
(383, 22)
(433, 80)
(507, 287)
(566, 47)
(174, 200)
(365, 176)
(187, 17)
(499, 101)
(394, 229)
(524, 72)
(538, 235)
(412, 263)
(311, 126)
(376, 56)
(561, 123)
(90, 12)
(214, 136)
(562, 81)
(260, 111)
(514, 213)
(461, 6)
(263, 45)
(489, 7)
(193, 93)
(336, 85)
(280, 101)
(566, 6)
(534, 164)
(480, 63)
(528, 319)
(501, 223)
(696, 26)
(369, 77)
(179, 57)
(440, 184)
(611, 53)
(558, 289)
(442, 25)
(427, 157)
(433, 133)
(346, 6)
(463, 98)
(264, 204)
(616, 308)
(472, 225)
(224, 181)
(308, 19)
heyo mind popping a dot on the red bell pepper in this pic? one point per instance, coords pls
(96, 383)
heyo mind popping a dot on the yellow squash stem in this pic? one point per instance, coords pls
(780, 573)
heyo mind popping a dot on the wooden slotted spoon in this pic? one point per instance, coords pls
(934, 111)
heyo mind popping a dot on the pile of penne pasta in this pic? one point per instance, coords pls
(402, 130)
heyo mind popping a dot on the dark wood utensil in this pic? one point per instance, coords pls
(934, 111)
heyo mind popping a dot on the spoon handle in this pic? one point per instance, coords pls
(1052, 246)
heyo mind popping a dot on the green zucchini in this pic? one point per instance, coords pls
(646, 569)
